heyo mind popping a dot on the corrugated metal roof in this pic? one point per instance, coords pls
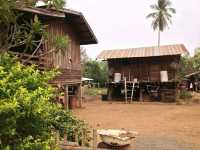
(166, 50)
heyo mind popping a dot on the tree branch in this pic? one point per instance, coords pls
(34, 51)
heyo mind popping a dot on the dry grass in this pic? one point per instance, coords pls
(194, 100)
(94, 91)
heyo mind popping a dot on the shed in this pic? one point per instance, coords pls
(145, 65)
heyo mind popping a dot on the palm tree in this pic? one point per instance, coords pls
(161, 16)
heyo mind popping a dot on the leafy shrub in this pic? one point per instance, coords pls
(28, 114)
(185, 95)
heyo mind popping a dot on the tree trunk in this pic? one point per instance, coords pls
(158, 38)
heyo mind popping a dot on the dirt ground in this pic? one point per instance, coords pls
(160, 126)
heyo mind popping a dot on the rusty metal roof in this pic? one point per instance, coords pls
(167, 50)
(74, 18)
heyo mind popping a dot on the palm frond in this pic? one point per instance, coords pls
(155, 7)
(172, 10)
(167, 3)
(152, 15)
(162, 16)
(155, 24)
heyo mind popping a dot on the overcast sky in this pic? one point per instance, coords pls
(123, 24)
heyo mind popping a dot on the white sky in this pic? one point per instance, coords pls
(123, 24)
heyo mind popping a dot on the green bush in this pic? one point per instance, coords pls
(185, 95)
(28, 114)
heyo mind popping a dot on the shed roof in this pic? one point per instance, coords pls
(166, 50)
(75, 18)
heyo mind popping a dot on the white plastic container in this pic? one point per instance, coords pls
(117, 77)
(135, 80)
(164, 76)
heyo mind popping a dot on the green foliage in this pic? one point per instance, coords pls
(55, 3)
(15, 33)
(28, 113)
(162, 14)
(60, 43)
(6, 15)
(185, 95)
(96, 70)
(30, 143)
(196, 59)
(189, 64)
(28, 34)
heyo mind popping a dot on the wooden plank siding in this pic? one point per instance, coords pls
(68, 61)
(144, 69)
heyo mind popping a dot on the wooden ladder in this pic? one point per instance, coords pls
(126, 90)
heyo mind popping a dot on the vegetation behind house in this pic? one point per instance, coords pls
(189, 64)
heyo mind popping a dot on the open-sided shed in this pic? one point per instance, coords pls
(145, 66)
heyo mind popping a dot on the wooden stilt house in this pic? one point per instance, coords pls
(147, 73)
(61, 22)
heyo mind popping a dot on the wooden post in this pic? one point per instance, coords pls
(82, 138)
(125, 90)
(141, 95)
(110, 90)
(66, 103)
(94, 139)
(65, 138)
(82, 93)
(79, 95)
(76, 136)
(133, 86)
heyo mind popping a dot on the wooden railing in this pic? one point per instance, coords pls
(80, 142)
(29, 60)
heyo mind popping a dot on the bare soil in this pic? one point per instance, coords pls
(160, 126)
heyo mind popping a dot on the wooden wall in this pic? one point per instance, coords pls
(69, 61)
(144, 69)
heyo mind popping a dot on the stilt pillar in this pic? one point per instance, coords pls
(80, 96)
(66, 96)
